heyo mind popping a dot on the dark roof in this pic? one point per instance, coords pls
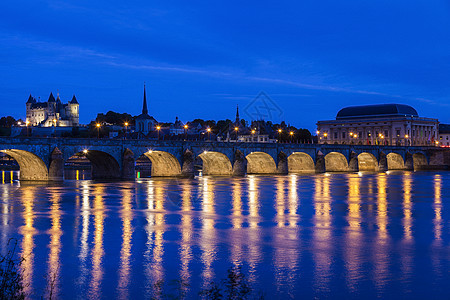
(51, 98)
(145, 116)
(376, 111)
(444, 128)
(39, 105)
(31, 99)
(74, 100)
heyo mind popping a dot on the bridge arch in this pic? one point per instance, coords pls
(215, 163)
(419, 160)
(395, 161)
(336, 162)
(260, 163)
(104, 165)
(32, 167)
(164, 164)
(367, 162)
(299, 162)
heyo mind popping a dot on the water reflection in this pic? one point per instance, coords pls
(126, 215)
(98, 251)
(325, 235)
(53, 273)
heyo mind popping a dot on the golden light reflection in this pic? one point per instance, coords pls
(186, 231)
(126, 215)
(53, 273)
(77, 175)
(237, 205)
(353, 236)
(407, 205)
(84, 247)
(382, 218)
(280, 201)
(155, 230)
(253, 204)
(5, 220)
(28, 231)
(98, 250)
(208, 231)
(322, 230)
(437, 206)
(293, 200)
(3, 177)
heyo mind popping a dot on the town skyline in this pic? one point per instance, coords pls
(202, 60)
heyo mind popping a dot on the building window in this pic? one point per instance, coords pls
(343, 135)
(398, 132)
(386, 133)
(335, 135)
(360, 135)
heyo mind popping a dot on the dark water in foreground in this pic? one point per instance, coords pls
(329, 235)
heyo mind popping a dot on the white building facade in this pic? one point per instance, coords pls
(383, 124)
(53, 112)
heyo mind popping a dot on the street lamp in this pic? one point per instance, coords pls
(126, 129)
(185, 131)
(209, 133)
(98, 129)
(27, 123)
(158, 128)
(291, 133)
(279, 134)
(236, 129)
(406, 139)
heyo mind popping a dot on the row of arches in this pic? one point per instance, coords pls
(105, 166)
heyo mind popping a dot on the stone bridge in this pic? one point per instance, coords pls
(44, 158)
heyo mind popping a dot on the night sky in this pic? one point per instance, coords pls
(201, 58)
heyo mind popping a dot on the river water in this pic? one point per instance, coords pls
(354, 235)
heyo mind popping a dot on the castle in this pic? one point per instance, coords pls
(52, 112)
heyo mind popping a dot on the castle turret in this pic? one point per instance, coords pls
(74, 113)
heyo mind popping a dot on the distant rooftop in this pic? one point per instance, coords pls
(376, 111)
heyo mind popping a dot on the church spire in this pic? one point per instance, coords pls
(238, 120)
(144, 106)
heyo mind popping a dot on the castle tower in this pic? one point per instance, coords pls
(74, 112)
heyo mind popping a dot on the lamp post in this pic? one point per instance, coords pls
(291, 133)
(279, 134)
(209, 133)
(406, 140)
(158, 128)
(185, 131)
(236, 129)
(98, 129)
(54, 127)
(27, 123)
(126, 129)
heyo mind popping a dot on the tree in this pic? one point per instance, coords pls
(7, 121)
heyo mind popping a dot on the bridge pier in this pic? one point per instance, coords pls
(282, 167)
(56, 169)
(128, 165)
(239, 166)
(382, 164)
(188, 169)
(409, 162)
(320, 163)
(353, 162)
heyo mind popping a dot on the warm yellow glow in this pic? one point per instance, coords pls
(236, 128)
(126, 214)
(253, 131)
(291, 133)
(437, 206)
(406, 136)
(208, 129)
(158, 127)
(54, 120)
(19, 123)
(28, 231)
(85, 151)
(437, 142)
(318, 132)
(185, 126)
(27, 122)
(98, 125)
(280, 130)
(150, 151)
(55, 245)
(407, 205)
(325, 134)
(355, 136)
(126, 124)
(351, 133)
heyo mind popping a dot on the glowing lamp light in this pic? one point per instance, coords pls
(236, 128)
(19, 123)
(318, 132)
(150, 151)
(158, 127)
(291, 133)
(253, 131)
(208, 129)
(98, 125)
(126, 123)
(185, 126)
(85, 151)
(406, 136)
(27, 122)
(325, 134)
(279, 130)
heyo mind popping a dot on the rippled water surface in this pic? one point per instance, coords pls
(328, 235)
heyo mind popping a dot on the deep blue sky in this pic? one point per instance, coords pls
(201, 58)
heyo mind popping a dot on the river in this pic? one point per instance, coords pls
(332, 235)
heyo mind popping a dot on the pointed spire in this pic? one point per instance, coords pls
(31, 99)
(51, 98)
(238, 120)
(144, 105)
(74, 100)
